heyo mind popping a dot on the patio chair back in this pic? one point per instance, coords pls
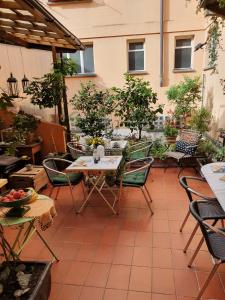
(211, 237)
(75, 149)
(189, 136)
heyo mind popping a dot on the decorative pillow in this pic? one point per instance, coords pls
(182, 146)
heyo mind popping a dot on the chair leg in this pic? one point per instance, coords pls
(196, 252)
(185, 220)
(191, 238)
(147, 201)
(147, 191)
(211, 274)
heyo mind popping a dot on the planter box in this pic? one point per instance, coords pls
(42, 288)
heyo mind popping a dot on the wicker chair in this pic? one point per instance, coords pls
(58, 178)
(215, 241)
(209, 209)
(191, 139)
(76, 149)
(140, 150)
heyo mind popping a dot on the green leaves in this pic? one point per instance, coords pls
(5, 100)
(94, 107)
(200, 120)
(185, 96)
(135, 104)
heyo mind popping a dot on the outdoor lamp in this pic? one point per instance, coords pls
(25, 83)
(12, 86)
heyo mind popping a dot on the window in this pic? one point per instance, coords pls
(136, 56)
(183, 54)
(84, 60)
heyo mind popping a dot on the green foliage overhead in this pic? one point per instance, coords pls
(185, 95)
(136, 104)
(200, 120)
(94, 106)
(46, 92)
(214, 41)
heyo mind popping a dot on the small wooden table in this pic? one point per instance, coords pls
(86, 165)
(214, 180)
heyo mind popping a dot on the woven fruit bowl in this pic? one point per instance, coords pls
(16, 198)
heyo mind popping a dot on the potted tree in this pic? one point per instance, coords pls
(185, 96)
(200, 120)
(170, 133)
(25, 124)
(136, 104)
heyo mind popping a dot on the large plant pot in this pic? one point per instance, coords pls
(41, 289)
(171, 140)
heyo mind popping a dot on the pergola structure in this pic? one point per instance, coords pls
(28, 23)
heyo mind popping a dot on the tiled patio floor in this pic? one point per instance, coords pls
(130, 257)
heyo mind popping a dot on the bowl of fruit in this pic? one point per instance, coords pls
(16, 198)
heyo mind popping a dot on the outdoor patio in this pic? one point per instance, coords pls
(130, 256)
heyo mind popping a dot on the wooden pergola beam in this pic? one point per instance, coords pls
(20, 17)
(10, 5)
(11, 38)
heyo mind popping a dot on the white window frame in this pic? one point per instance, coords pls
(191, 38)
(136, 50)
(82, 61)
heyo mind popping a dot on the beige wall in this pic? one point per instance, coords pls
(214, 97)
(109, 24)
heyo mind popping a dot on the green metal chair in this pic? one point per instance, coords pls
(54, 168)
(140, 150)
(135, 176)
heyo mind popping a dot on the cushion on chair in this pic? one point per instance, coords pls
(138, 155)
(61, 179)
(135, 179)
(182, 146)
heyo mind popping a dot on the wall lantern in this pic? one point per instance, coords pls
(12, 86)
(25, 83)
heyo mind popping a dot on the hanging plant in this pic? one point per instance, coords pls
(214, 40)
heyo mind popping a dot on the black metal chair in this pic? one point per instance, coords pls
(54, 168)
(215, 241)
(136, 177)
(209, 209)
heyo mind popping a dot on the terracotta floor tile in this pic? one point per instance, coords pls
(92, 293)
(109, 236)
(55, 288)
(186, 283)
(104, 254)
(174, 226)
(163, 281)
(140, 279)
(161, 226)
(123, 255)
(203, 262)
(69, 292)
(163, 297)
(143, 239)
(59, 268)
(161, 240)
(132, 295)
(214, 289)
(119, 277)
(180, 259)
(111, 294)
(77, 273)
(162, 258)
(86, 253)
(98, 275)
(142, 257)
(177, 215)
(126, 238)
(92, 236)
(160, 214)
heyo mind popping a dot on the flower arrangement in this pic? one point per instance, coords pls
(95, 141)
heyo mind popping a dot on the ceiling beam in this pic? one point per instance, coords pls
(10, 5)
(20, 17)
(11, 38)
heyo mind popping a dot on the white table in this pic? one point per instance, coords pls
(86, 165)
(216, 184)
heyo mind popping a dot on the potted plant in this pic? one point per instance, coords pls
(200, 120)
(158, 152)
(207, 150)
(28, 280)
(220, 154)
(185, 95)
(136, 104)
(25, 124)
(170, 133)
